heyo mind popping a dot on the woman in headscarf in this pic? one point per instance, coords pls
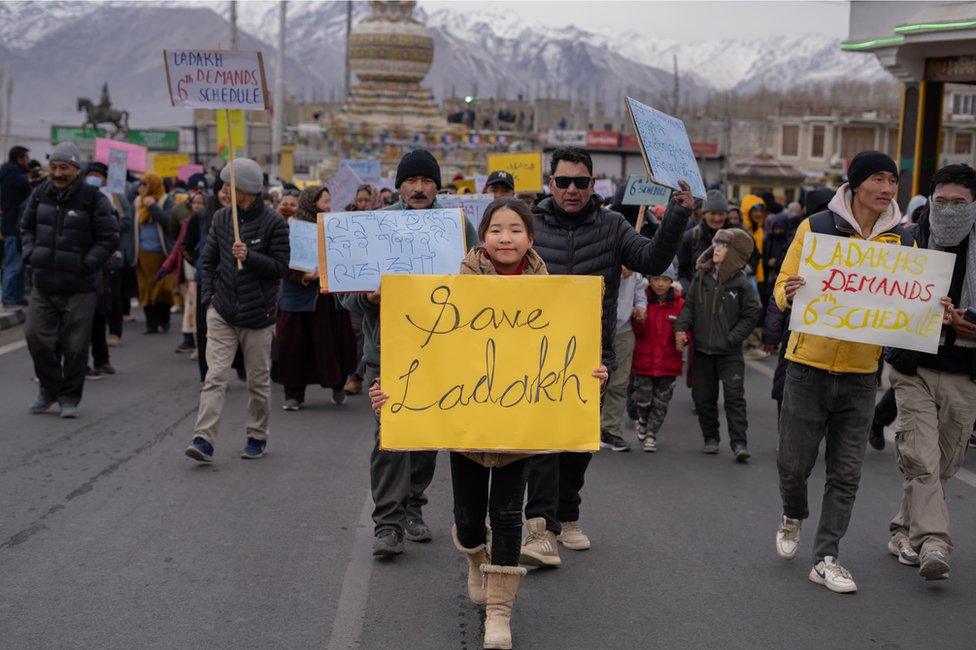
(314, 342)
(152, 246)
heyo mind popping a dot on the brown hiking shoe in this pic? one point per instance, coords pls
(539, 546)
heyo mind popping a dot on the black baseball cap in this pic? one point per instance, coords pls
(501, 177)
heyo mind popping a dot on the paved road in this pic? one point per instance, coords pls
(110, 538)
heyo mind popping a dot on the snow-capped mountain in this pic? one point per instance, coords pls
(60, 50)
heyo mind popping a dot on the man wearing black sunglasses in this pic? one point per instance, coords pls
(575, 236)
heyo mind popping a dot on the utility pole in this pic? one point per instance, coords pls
(279, 93)
(348, 32)
(233, 24)
(677, 88)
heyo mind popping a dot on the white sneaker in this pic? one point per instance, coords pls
(650, 442)
(900, 547)
(832, 576)
(641, 430)
(788, 538)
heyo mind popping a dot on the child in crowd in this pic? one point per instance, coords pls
(721, 309)
(493, 484)
(657, 361)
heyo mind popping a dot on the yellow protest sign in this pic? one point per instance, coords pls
(238, 133)
(525, 167)
(465, 185)
(489, 363)
(168, 165)
(870, 292)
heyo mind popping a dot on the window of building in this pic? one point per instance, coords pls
(963, 104)
(892, 146)
(855, 139)
(817, 134)
(963, 142)
(790, 144)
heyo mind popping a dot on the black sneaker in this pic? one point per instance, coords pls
(417, 530)
(613, 443)
(876, 437)
(93, 374)
(388, 543)
(741, 454)
(253, 449)
(107, 369)
(711, 447)
(200, 450)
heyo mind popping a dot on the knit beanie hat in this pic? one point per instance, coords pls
(248, 176)
(66, 152)
(418, 162)
(715, 202)
(866, 163)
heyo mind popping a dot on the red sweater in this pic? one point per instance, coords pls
(654, 351)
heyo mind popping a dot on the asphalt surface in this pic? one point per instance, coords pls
(111, 538)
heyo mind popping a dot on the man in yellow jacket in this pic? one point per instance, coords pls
(831, 384)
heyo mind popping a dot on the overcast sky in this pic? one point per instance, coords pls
(692, 19)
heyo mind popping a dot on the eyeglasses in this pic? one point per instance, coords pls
(956, 203)
(581, 182)
(290, 193)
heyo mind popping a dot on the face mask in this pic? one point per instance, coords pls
(950, 224)
(94, 181)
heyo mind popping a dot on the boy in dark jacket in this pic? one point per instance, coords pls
(657, 362)
(721, 309)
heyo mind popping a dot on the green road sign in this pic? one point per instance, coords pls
(156, 140)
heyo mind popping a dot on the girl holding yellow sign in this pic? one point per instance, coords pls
(493, 484)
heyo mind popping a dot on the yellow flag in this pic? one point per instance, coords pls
(490, 363)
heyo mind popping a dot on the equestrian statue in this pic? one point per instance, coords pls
(103, 113)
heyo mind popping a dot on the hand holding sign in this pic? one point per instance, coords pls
(684, 197)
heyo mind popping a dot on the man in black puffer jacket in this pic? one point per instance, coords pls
(241, 308)
(575, 236)
(68, 233)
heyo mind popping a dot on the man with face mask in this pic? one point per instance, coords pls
(68, 233)
(108, 309)
(399, 478)
(935, 393)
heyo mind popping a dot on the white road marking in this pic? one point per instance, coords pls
(10, 347)
(347, 628)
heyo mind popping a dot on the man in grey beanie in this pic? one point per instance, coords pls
(241, 308)
(68, 233)
(715, 212)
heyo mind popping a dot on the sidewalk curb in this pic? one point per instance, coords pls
(12, 318)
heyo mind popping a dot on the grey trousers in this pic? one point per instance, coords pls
(58, 335)
(398, 479)
(816, 404)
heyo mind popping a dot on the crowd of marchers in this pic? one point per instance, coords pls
(693, 289)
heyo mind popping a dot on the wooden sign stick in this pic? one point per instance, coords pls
(641, 215)
(233, 185)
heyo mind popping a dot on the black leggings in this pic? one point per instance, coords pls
(503, 503)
